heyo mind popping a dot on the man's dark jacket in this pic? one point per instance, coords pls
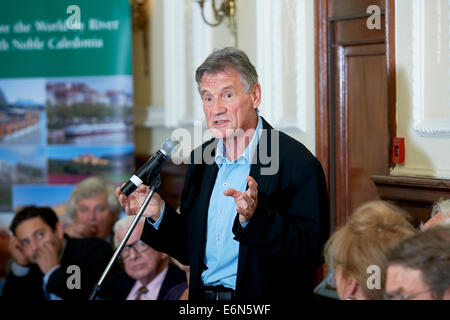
(91, 255)
(281, 246)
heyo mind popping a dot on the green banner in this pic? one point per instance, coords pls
(54, 38)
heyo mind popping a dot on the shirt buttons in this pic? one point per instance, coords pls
(218, 237)
(225, 184)
(220, 211)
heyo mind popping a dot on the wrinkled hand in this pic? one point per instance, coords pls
(246, 202)
(48, 257)
(133, 203)
(78, 229)
(15, 248)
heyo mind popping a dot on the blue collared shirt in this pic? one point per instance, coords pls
(222, 251)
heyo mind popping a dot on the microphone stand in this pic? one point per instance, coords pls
(156, 183)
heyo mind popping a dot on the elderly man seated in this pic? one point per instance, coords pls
(92, 210)
(419, 267)
(148, 275)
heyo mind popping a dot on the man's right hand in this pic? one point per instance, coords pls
(78, 229)
(133, 202)
(15, 248)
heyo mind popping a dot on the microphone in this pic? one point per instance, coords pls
(152, 167)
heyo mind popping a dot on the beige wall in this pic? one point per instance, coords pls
(423, 99)
(149, 90)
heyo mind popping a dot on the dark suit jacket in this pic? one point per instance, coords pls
(281, 245)
(90, 254)
(119, 284)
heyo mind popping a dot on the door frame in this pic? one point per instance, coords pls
(324, 70)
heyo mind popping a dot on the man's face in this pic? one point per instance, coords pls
(405, 282)
(226, 105)
(94, 211)
(144, 265)
(33, 233)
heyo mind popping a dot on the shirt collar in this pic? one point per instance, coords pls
(247, 156)
(156, 283)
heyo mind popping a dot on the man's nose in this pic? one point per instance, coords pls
(133, 254)
(219, 107)
(91, 215)
(34, 245)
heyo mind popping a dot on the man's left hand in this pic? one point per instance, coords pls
(48, 257)
(246, 202)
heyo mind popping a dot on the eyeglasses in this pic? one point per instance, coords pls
(388, 296)
(138, 247)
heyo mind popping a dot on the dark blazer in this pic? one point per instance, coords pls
(119, 284)
(282, 244)
(90, 254)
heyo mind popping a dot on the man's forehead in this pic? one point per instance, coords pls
(29, 226)
(228, 74)
(403, 276)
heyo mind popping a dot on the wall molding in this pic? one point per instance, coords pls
(271, 66)
(149, 117)
(401, 171)
(174, 56)
(422, 126)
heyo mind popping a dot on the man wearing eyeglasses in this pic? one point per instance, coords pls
(147, 275)
(419, 267)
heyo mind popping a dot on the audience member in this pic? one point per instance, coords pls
(48, 264)
(357, 251)
(419, 267)
(4, 256)
(92, 210)
(148, 274)
(440, 214)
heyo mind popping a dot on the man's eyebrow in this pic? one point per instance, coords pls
(228, 88)
(204, 91)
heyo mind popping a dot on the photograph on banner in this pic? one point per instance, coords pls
(22, 164)
(54, 196)
(5, 220)
(90, 110)
(5, 197)
(22, 111)
(71, 164)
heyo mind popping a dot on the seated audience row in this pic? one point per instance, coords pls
(378, 254)
(49, 264)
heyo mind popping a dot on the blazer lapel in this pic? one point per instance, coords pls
(263, 186)
(200, 217)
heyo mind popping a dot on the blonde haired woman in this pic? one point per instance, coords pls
(357, 251)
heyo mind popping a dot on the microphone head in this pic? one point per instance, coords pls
(170, 146)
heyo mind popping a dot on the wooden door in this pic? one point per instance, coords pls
(355, 110)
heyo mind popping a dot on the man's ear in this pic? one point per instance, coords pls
(256, 95)
(59, 230)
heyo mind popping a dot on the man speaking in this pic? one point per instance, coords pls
(247, 232)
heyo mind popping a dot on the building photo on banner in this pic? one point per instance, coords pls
(66, 100)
